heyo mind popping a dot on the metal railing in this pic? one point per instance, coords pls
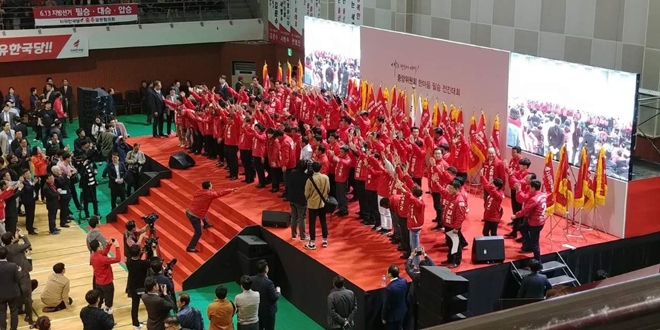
(15, 17)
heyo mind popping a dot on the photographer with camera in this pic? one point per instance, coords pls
(138, 268)
(133, 236)
(413, 272)
(163, 275)
(135, 159)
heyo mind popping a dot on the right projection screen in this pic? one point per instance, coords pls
(554, 102)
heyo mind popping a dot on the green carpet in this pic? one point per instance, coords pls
(288, 317)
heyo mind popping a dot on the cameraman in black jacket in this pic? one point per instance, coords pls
(413, 273)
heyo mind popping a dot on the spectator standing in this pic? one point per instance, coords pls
(102, 266)
(137, 274)
(92, 316)
(268, 296)
(221, 311)
(295, 194)
(317, 189)
(342, 306)
(10, 292)
(189, 317)
(16, 254)
(158, 304)
(247, 306)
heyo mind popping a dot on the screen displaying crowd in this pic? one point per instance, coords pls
(552, 103)
(332, 54)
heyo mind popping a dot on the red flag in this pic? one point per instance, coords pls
(600, 179)
(474, 163)
(279, 72)
(495, 135)
(394, 103)
(289, 72)
(563, 192)
(479, 140)
(435, 121)
(265, 77)
(300, 74)
(426, 114)
(548, 185)
(581, 179)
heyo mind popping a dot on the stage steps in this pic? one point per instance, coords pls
(557, 271)
(170, 201)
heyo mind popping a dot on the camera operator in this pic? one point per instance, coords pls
(133, 236)
(135, 159)
(88, 183)
(413, 272)
(157, 272)
(138, 269)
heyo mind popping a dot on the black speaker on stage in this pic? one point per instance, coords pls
(487, 249)
(277, 219)
(248, 265)
(181, 161)
(442, 296)
(252, 246)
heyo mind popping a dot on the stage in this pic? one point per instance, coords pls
(355, 251)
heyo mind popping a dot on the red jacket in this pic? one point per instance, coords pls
(323, 160)
(361, 167)
(245, 141)
(102, 265)
(3, 196)
(342, 169)
(371, 183)
(275, 106)
(273, 153)
(518, 177)
(493, 203)
(202, 199)
(297, 145)
(459, 157)
(417, 161)
(381, 176)
(233, 129)
(513, 163)
(258, 143)
(454, 213)
(415, 212)
(494, 170)
(534, 209)
(287, 153)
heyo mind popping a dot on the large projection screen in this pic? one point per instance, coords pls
(552, 103)
(332, 54)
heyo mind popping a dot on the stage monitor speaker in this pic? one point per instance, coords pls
(252, 246)
(442, 281)
(442, 295)
(248, 266)
(277, 219)
(181, 161)
(488, 249)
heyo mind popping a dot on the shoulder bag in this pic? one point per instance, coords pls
(330, 202)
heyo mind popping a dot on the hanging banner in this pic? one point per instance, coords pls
(43, 47)
(85, 15)
(349, 11)
(286, 20)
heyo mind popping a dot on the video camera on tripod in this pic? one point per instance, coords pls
(150, 219)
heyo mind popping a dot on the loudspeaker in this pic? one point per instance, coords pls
(277, 219)
(442, 296)
(181, 161)
(252, 246)
(488, 249)
(442, 281)
(248, 266)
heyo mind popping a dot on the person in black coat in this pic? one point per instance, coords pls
(413, 273)
(156, 107)
(295, 187)
(395, 303)
(11, 205)
(117, 177)
(63, 185)
(28, 198)
(534, 285)
(268, 294)
(52, 197)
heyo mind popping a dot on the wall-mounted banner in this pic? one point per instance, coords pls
(286, 20)
(85, 15)
(43, 47)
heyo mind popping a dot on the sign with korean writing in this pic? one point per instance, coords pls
(349, 11)
(43, 47)
(85, 15)
(286, 20)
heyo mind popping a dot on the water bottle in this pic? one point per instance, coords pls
(383, 281)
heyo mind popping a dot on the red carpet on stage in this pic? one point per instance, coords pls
(355, 252)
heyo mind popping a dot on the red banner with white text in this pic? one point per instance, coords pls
(43, 47)
(85, 15)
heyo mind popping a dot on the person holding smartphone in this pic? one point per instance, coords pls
(157, 302)
(102, 265)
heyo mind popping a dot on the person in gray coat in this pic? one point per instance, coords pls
(10, 277)
(16, 254)
(342, 306)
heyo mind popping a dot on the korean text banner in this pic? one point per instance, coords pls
(43, 47)
(85, 15)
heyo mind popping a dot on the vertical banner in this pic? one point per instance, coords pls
(274, 21)
(286, 20)
(313, 8)
(349, 11)
(297, 22)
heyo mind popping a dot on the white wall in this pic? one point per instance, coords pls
(159, 34)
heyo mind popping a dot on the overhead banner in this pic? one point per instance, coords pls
(85, 15)
(286, 20)
(349, 11)
(43, 47)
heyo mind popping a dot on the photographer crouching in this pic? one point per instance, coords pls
(413, 272)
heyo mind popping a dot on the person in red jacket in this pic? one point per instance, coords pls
(417, 160)
(198, 209)
(415, 218)
(493, 205)
(259, 141)
(493, 169)
(512, 167)
(245, 149)
(516, 180)
(102, 267)
(275, 172)
(534, 210)
(455, 213)
(342, 169)
(439, 177)
(232, 132)
(287, 156)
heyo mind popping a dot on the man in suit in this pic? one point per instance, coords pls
(13, 98)
(6, 137)
(268, 294)
(223, 88)
(28, 198)
(49, 93)
(156, 107)
(10, 279)
(157, 303)
(117, 175)
(62, 184)
(394, 305)
(52, 197)
(16, 254)
(9, 116)
(67, 98)
(534, 285)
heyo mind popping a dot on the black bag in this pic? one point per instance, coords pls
(330, 202)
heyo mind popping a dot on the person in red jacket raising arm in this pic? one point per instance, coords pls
(492, 205)
(454, 215)
(199, 207)
(534, 210)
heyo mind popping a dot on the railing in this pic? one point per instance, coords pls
(149, 11)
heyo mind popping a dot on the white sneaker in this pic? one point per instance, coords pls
(138, 327)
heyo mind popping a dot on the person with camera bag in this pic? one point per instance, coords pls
(317, 190)
(137, 274)
(198, 209)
